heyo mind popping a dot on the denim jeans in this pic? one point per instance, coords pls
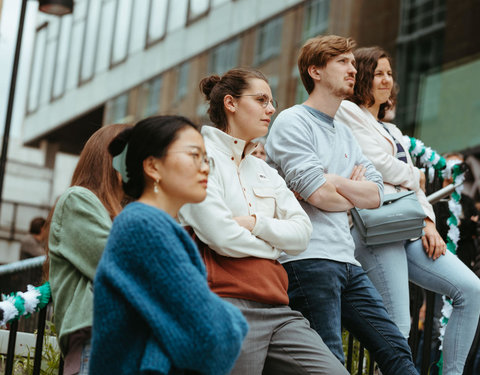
(85, 359)
(330, 294)
(390, 266)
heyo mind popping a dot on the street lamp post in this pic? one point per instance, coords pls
(56, 7)
(11, 97)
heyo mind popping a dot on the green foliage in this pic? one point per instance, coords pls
(50, 356)
(355, 354)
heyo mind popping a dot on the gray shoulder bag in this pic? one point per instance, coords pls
(401, 217)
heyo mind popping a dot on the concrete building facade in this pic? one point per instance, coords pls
(121, 60)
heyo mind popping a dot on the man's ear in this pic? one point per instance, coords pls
(229, 103)
(314, 72)
(151, 168)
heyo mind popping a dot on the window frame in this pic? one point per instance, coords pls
(41, 28)
(193, 18)
(128, 35)
(151, 42)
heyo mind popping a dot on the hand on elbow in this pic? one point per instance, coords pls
(247, 222)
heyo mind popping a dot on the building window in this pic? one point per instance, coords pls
(152, 90)
(138, 34)
(421, 15)
(75, 48)
(48, 69)
(182, 82)
(224, 57)
(123, 21)
(157, 22)
(316, 18)
(420, 49)
(61, 58)
(117, 109)
(197, 9)
(177, 14)
(90, 41)
(269, 40)
(105, 35)
(37, 68)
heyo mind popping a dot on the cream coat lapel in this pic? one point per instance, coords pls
(380, 129)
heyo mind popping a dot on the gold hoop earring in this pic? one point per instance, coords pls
(155, 186)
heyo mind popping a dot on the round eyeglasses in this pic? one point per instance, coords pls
(199, 158)
(263, 100)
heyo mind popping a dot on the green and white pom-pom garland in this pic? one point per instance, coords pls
(21, 304)
(427, 156)
(454, 171)
(450, 169)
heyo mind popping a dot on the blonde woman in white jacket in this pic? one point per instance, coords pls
(424, 261)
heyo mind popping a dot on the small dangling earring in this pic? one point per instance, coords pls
(155, 186)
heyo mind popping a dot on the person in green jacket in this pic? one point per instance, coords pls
(79, 228)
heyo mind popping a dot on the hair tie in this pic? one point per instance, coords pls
(120, 163)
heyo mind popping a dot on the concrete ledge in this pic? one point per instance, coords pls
(24, 343)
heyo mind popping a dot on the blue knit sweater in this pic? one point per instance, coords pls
(153, 310)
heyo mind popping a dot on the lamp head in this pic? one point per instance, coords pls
(56, 7)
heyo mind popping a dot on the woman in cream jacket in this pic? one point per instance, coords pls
(247, 220)
(424, 261)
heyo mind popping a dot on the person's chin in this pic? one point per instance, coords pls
(199, 197)
(262, 131)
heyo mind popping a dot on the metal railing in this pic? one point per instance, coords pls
(14, 277)
(358, 360)
(37, 356)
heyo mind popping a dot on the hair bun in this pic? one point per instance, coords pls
(208, 83)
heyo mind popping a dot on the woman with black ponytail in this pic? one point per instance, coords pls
(153, 310)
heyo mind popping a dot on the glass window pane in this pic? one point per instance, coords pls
(224, 57)
(78, 32)
(53, 27)
(316, 18)
(37, 67)
(177, 14)
(90, 41)
(158, 20)
(138, 32)
(121, 108)
(117, 109)
(154, 88)
(197, 8)
(47, 71)
(61, 62)
(105, 36)
(269, 40)
(182, 83)
(81, 8)
(122, 31)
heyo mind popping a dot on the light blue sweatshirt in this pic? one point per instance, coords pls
(303, 145)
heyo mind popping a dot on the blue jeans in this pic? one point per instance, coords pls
(330, 294)
(390, 266)
(85, 358)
